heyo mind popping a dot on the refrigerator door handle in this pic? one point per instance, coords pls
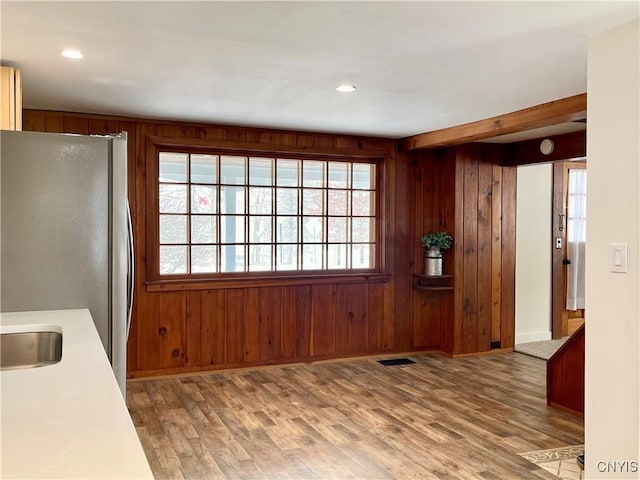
(131, 273)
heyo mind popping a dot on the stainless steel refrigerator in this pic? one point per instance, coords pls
(66, 238)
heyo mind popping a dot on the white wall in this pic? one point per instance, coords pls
(533, 253)
(613, 215)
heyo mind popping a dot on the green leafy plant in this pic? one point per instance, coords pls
(440, 240)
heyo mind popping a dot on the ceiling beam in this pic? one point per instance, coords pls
(567, 147)
(568, 109)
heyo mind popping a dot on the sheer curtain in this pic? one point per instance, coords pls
(576, 237)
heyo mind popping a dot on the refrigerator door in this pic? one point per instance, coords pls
(120, 260)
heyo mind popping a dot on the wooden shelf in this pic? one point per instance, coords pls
(432, 282)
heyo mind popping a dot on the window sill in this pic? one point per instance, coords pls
(264, 281)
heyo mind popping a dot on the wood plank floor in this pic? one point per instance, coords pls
(439, 418)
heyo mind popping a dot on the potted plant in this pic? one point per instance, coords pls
(434, 243)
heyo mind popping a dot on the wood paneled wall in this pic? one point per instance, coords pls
(433, 209)
(465, 191)
(460, 189)
(484, 304)
(182, 331)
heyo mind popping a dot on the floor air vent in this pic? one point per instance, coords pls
(395, 361)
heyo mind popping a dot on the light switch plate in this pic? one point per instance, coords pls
(618, 258)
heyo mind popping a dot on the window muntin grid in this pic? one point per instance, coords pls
(239, 214)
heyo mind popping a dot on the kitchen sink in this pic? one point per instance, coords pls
(29, 349)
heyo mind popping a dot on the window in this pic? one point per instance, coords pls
(577, 206)
(229, 214)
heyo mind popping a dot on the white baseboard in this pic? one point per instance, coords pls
(526, 337)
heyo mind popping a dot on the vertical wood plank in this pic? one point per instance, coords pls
(252, 329)
(235, 324)
(424, 195)
(193, 355)
(303, 321)
(388, 330)
(146, 321)
(170, 131)
(271, 138)
(289, 138)
(375, 314)
(507, 318)
(496, 252)
(401, 246)
(289, 321)
(236, 134)
(72, 124)
(215, 133)
(171, 327)
(306, 140)
(325, 141)
(296, 321)
(470, 256)
(33, 121)
(447, 170)
(213, 333)
(270, 323)
(485, 193)
(454, 344)
(351, 318)
(101, 126)
(427, 319)
(196, 132)
(324, 320)
(53, 123)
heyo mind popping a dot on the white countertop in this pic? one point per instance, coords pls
(66, 420)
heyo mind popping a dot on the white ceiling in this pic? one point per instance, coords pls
(418, 66)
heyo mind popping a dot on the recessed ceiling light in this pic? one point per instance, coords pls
(346, 88)
(73, 54)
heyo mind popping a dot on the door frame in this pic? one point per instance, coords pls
(558, 230)
(557, 254)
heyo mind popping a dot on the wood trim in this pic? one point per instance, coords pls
(151, 218)
(251, 148)
(559, 313)
(141, 375)
(156, 144)
(262, 136)
(495, 351)
(551, 113)
(265, 281)
(557, 254)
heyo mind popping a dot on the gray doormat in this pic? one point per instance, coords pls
(543, 349)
